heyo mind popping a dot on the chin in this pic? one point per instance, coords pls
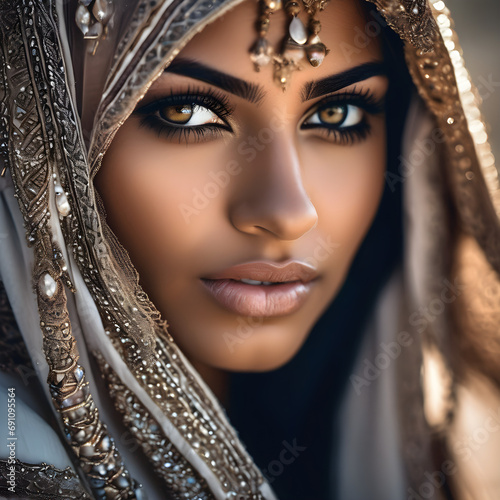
(267, 351)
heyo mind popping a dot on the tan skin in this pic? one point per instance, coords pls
(306, 194)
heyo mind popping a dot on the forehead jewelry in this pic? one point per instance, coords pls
(300, 43)
(92, 17)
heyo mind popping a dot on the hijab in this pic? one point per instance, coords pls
(99, 348)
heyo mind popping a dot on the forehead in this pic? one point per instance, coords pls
(224, 44)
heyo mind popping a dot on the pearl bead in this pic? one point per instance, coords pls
(87, 451)
(62, 203)
(298, 31)
(47, 285)
(82, 18)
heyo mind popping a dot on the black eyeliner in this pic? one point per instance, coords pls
(365, 100)
(213, 100)
(166, 131)
(218, 102)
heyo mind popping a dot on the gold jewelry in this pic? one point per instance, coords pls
(300, 43)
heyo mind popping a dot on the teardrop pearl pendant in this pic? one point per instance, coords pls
(301, 42)
(298, 32)
(92, 18)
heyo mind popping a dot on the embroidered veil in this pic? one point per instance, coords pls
(97, 345)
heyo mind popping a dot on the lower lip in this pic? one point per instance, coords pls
(258, 300)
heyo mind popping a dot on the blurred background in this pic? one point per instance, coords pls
(477, 25)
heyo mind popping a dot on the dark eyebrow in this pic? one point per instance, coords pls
(330, 84)
(255, 93)
(192, 69)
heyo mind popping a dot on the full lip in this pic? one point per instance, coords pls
(291, 270)
(290, 285)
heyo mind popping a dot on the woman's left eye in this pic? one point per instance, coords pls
(188, 115)
(337, 115)
(344, 118)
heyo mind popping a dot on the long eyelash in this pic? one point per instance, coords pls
(215, 101)
(349, 135)
(184, 134)
(364, 99)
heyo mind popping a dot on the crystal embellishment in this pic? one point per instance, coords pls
(261, 53)
(298, 31)
(101, 10)
(48, 285)
(62, 203)
(92, 18)
(316, 51)
(82, 18)
(293, 52)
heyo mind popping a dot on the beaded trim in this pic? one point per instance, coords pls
(40, 482)
(169, 384)
(446, 87)
(41, 180)
(182, 481)
(34, 135)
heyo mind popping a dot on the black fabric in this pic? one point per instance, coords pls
(288, 418)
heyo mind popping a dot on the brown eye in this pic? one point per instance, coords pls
(177, 114)
(189, 115)
(333, 115)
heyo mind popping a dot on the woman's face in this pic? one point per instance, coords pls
(243, 206)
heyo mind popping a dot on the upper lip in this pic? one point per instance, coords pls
(274, 272)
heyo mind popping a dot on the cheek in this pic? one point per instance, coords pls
(346, 188)
(160, 207)
(155, 197)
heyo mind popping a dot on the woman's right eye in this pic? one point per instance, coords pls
(188, 115)
(336, 115)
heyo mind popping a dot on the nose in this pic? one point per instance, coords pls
(271, 198)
